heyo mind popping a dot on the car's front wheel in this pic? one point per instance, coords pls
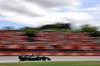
(48, 59)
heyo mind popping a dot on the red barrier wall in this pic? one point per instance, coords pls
(51, 53)
(50, 47)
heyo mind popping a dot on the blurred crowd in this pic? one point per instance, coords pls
(15, 37)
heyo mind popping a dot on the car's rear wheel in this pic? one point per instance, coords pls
(44, 58)
(22, 59)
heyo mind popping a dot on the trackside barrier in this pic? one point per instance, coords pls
(51, 53)
(50, 47)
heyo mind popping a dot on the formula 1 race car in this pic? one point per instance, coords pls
(33, 58)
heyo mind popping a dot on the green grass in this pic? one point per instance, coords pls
(54, 63)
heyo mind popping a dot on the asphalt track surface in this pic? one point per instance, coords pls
(7, 59)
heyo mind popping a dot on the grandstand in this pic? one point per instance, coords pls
(12, 37)
(15, 37)
(48, 41)
(66, 38)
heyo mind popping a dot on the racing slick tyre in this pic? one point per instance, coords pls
(44, 58)
(22, 59)
(48, 59)
(19, 56)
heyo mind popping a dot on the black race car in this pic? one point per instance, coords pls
(33, 58)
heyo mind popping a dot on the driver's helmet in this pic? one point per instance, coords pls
(32, 55)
